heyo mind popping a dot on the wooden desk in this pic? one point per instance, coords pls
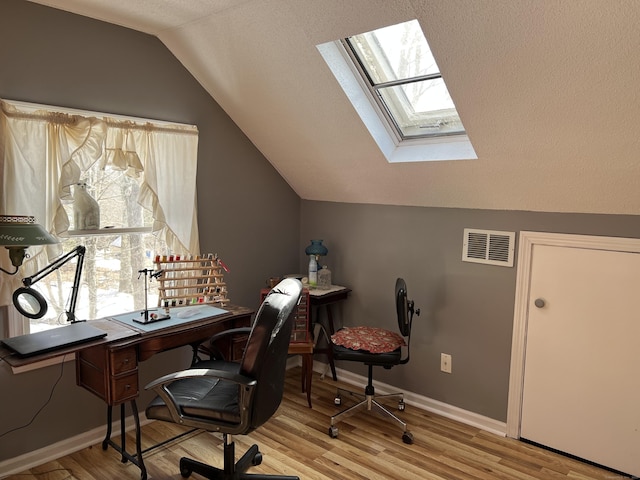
(110, 370)
(325, 300)
(115, 332)
(108, 367)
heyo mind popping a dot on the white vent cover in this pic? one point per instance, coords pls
(490, 247)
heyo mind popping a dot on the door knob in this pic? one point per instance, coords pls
(539, 302)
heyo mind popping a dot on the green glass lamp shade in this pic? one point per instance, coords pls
(23, 231)
(17, 232)
(316, 248)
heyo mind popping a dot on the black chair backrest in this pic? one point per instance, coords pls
(402, 308)
(265, 355)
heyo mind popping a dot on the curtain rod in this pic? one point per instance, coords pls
(30, 110)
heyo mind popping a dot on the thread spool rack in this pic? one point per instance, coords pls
(191, 280)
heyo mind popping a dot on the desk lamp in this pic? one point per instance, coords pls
(315, 250)
(31, 303)
(17, 233)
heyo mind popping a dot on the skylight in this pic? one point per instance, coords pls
(403, 75)
(393, 81)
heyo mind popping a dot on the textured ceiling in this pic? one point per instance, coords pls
(547, 90)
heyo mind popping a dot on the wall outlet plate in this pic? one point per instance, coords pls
(445, 362)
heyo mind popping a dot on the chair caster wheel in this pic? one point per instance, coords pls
(407, 438)
(185, 469)
(337, 400)
(257, 459)
(333, 432)
(401, 405)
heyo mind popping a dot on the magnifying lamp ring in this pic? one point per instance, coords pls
(30, 302)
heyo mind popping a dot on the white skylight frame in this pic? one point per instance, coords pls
(395, 148)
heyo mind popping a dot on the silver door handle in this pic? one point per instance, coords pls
(539, 302)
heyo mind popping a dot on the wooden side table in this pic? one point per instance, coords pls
(325, 299)
(301, 342)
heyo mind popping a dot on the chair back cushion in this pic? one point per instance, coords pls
(265, 355)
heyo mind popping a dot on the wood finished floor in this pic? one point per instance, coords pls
(296, 442)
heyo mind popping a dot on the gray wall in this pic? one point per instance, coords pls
(466, 308)
(52, 57)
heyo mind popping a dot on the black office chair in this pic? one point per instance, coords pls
(375, 347)
(234, 398)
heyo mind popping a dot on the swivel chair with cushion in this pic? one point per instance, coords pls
(234, 398)
(375, 347)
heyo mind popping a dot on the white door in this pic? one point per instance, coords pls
(581, 391)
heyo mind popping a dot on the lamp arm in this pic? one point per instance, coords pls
(79, 252)
(71, 313)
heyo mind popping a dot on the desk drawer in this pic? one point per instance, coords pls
(124, 388)
(123, 360)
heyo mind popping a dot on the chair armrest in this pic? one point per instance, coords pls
(228, 333)
(162, 382)
(209, 347)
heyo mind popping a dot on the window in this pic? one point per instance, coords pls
(141, 173)
(407, 106)
(111, 281)
(404, 79)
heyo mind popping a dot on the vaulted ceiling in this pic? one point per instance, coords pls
(547, 91)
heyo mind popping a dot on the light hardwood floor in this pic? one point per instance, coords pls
(296, 442)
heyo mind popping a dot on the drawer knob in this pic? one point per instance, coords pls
(127, 386)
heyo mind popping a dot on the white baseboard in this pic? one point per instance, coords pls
(63, 448)
(422, 402)
(96, 435)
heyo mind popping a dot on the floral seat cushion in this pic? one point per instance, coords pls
(370, 339)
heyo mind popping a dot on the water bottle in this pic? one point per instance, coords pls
(313, 271)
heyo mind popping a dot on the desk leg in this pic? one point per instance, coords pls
(136, 459)
(123, 436)
(307, 372)
(107, 438)
(140, 463)
(328, 351)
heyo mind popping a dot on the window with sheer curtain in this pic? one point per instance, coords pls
(141, 173)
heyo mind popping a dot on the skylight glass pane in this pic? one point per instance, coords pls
(422, 108)
(405, 81)
(396, 52)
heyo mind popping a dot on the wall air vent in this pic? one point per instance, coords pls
(489, 247)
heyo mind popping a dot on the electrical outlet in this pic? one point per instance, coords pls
(445, 362)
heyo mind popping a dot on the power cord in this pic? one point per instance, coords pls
(53, 388)
(41, 474)
(2, 359)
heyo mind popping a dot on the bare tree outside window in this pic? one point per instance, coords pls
(110, 282)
